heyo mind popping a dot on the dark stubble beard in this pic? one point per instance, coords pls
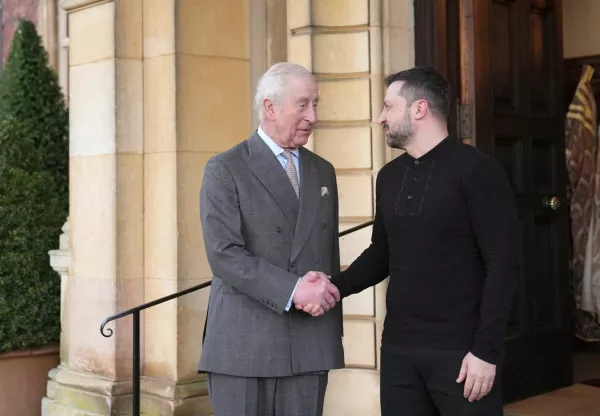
(400, 135)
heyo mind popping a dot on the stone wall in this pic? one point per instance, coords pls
(12, 11)
(151, 82)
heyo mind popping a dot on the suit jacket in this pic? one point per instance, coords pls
(259, 240)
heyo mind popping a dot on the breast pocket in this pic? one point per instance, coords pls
(326, 213)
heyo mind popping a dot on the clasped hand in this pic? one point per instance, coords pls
(315, 294)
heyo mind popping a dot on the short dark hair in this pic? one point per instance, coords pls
(424, 83)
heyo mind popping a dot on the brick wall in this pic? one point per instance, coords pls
(12, 11)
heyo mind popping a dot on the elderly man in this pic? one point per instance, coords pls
(446, 232)
(269, 213)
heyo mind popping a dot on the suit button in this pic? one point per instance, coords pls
(278, 229)
(324, 225)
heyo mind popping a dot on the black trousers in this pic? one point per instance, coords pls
(422, 382)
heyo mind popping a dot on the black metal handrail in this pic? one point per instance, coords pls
(136, 324)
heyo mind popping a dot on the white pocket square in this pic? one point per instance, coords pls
(324, 191)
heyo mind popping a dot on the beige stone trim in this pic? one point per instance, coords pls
(258, 50)
(377, 90)
(52, 26)
(160, 396)
(169, 389)
(90, 383)
(47, 27)
(71, 5)
(60, 261)
(276, 31)
(70, 392)
(268, 40)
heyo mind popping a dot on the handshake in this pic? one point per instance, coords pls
(315, 294)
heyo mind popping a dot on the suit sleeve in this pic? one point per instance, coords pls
(372, 266)
(225, 246)
(494, 219)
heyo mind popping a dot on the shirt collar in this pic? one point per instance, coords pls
(275, 148)
(436, 149)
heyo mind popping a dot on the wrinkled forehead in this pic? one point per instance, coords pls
(301, 87)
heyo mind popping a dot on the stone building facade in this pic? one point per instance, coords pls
(155, 88)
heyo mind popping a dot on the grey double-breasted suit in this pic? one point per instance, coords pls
(259, 240)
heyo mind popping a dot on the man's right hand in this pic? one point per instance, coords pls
(314, 289)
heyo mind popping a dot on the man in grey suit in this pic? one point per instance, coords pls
(269, 213)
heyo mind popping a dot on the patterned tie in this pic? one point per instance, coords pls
(290, 169)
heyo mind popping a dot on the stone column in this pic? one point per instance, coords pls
(47, 27)
(106, 207)
(340, 42)
(197, 102)
(350, 47)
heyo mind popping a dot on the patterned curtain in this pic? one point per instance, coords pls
(584, 200)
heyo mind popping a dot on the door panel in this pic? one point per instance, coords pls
(519, 120)
(437, 44)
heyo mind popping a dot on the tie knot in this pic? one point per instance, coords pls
(287, 154)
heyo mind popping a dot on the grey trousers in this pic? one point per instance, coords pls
(301, 395)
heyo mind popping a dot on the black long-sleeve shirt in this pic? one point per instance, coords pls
(446, 232)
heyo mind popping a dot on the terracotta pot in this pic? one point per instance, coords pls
(23, 380)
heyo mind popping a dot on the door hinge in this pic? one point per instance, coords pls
(464, 121)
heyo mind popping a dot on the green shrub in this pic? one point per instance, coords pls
(34, 202)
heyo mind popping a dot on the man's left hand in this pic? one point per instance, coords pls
(479, 377)
(317, 310)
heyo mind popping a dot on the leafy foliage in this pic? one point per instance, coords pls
(34, 201)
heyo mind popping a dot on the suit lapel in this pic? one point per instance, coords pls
(268, 170)
(310, 195)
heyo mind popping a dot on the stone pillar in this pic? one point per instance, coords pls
(268, 40)
(350, 47)
(340, 42)
(106, 207)
(47, 27)
(197, 102)
(156, 88)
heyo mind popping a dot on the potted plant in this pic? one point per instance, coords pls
(33, 206)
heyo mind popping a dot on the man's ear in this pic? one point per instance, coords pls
(421, 109)
(269, 109)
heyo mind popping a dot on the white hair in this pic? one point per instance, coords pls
(271, 85)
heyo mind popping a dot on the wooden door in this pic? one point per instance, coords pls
(437, 44)
(519, 118)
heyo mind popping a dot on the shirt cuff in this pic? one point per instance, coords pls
(489, 355)
(289, 304)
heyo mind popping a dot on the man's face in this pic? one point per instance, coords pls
(296, 114)
(395, 118)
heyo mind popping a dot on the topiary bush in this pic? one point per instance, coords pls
(34, 201)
